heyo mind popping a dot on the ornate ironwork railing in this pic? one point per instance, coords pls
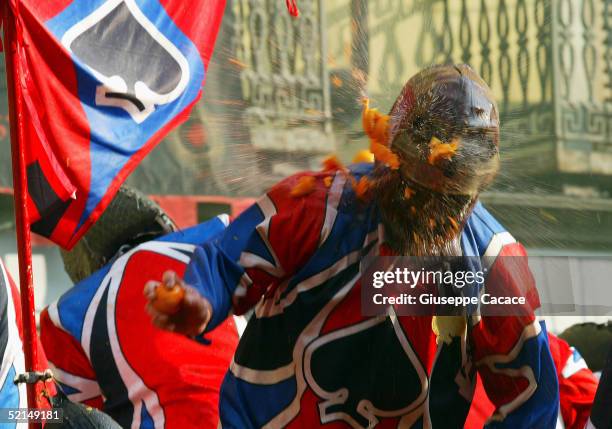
(608, 42)
(510, 43)
(284, 78)
(582, 93)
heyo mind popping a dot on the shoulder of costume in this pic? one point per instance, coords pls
(199, 233)
(483, 235)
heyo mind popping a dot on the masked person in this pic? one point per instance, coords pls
(309, 357)
(102, 346)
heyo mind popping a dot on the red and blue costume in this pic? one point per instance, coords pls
(11, 346)
(308, 357)
(106, 353)
(577, 387)
(11, 395)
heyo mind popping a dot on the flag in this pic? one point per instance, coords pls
(101, 83)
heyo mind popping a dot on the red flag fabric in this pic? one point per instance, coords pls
(102, 82)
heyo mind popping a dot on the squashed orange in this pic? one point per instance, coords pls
(439, 150)
(168, 300)
(332, 163)
(304, 186)
(383, 154)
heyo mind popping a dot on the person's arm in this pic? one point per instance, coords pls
(258, 251)
(512, 353)
(70, 365)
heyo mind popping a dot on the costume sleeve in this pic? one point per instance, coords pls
(262, 248)
(577, 384)
(512, 353)
(70, 365)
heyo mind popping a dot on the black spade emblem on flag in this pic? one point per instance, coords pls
(384, 377)
(138, 67)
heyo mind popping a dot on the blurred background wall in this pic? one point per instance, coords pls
(281, 93)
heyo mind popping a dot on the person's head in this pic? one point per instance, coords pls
(592, 340)
(444, 128)
(130, 219)
(446, 105)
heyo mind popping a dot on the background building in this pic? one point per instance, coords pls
(281, 93)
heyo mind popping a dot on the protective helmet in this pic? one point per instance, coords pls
(130, 219)
(444, 127)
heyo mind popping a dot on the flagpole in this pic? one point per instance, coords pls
(20, 195)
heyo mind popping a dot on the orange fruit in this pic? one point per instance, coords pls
(168, 300)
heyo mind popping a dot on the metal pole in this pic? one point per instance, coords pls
(20, 195)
